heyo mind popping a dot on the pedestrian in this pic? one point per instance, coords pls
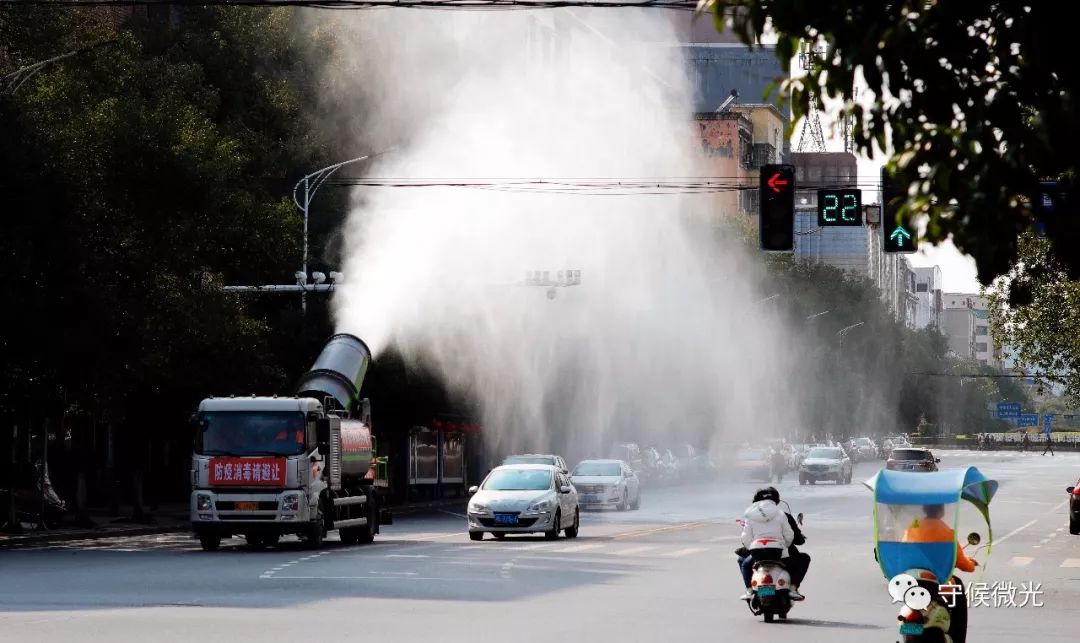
(778, 465)
(1025, 442)
(1049, 445)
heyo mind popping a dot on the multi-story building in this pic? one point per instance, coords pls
(967, 326)
(735, 142)
(928, 295)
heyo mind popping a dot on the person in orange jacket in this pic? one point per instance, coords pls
(932, 529)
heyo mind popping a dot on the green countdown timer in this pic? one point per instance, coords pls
(839, 207)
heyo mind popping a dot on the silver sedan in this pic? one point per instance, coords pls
(522, 499)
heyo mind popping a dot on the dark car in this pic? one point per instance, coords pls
(912, 460)
(1074, 508)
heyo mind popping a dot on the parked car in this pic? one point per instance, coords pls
(825, 463)
(522, 499)
(606, 483)
(538, 458)
(912, 460)
(1074, 508)
(753, 463)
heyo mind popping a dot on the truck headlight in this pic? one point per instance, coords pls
(291, 502)
(204, 502)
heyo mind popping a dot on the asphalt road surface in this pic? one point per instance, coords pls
(665, 572)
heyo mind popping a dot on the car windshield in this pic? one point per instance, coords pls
(825, 453)
(598, 469)
(243, 433)
(910, 454)
(751, 454)
(530, 459)
(863, 441)
(518, 480)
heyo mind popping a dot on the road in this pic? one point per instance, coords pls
(665, 570)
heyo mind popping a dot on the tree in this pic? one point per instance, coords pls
(143, 180)
(1044, 331)
(977, 102)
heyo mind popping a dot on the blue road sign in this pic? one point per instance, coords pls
(1048, 422)
(1008, 410)
(1028, 419)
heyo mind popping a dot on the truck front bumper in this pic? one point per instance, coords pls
(230, 513)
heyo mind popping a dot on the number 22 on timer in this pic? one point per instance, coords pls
(846, 212)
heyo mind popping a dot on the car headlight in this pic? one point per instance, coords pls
(540, 506)
(478, 508)
(203, 503)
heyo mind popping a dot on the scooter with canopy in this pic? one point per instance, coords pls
(916, 518)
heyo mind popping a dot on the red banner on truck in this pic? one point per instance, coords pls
(247, 472)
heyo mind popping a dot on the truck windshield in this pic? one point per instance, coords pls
(251, 433)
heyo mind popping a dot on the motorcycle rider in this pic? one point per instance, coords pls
(767, 533)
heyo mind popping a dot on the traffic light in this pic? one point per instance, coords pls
(839, 207)
(899, 234)
(777, 215)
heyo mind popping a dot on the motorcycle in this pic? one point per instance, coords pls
(770, 584)
(928, 503)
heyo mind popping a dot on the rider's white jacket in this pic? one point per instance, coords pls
(766, 526)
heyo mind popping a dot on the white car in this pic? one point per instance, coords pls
(606, 483)
(524, 499)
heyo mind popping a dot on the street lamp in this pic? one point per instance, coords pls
(844, 331)
(312, 182)
(816, 315)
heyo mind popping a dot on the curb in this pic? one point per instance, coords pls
(88, 534)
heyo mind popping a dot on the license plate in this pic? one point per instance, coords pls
(505, 519)
(589, 498)
(911, 629)
(247, 506)
(765, 591)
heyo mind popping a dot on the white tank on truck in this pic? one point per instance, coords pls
(264, 467)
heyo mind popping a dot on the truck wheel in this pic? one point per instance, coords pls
(347, 535)
(254, 541)
(366, 534)
(210, 542)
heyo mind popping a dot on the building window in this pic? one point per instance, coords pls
(922, 287)
(980, 330)
(980, 347)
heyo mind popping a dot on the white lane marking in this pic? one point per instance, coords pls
(634, 550)
(1061, 528)
(1055, 534)
(1071, 562)
(1014, 532)
(1020, 561)
(504, 573)
(528, 547)
(1044, 541)
(575, 548)
(684, 552)
(720, 539)
(452, 513)
(406, 556)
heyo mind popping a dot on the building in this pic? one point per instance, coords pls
(735, 142)
(717, 69)
(928, 297)
(967, 327)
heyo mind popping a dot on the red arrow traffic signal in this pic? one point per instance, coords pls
(776, 182)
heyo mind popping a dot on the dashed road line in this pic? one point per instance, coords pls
(631, 551)
(1071, 562)
(576, 548)
(1020, 561)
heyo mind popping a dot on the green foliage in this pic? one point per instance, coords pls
(977, 101)
(1044, 329)
(140, 178)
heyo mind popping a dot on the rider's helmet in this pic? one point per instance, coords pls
(767, 493)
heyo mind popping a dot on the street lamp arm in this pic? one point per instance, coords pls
(843, 331)
(312, 182)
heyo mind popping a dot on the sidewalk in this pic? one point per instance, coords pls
(168, 519)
